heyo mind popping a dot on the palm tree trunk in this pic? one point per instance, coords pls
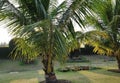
(118, 61)
(50, 76)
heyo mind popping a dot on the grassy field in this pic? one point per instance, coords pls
(13, 72)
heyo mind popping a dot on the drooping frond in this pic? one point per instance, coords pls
(100, 40)
(24, 50)
(60, 42)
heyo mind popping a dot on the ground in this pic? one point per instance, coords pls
(14, 72)
(59, 81)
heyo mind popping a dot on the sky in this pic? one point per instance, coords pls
(4, 33)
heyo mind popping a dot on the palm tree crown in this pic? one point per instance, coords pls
(44, 27)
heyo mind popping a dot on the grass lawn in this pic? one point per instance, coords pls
(13, 72)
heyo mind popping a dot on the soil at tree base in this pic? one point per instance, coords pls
(58, 81)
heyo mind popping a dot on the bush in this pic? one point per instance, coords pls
(76, 68)
(4, 52)
(88, 50)
(73, 68)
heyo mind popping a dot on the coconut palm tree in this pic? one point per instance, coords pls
(44, 28)
(106, 18)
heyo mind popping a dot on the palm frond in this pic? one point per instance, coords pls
(24, 50)
(1, 3)
(76, 4)
(60, 46)
(57, 10)
(10, 8)
(46, 4)
(41, 11)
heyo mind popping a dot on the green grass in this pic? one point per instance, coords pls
(13, 72)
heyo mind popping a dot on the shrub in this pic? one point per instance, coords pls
(4, 52)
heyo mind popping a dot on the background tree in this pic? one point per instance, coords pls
(106, 18)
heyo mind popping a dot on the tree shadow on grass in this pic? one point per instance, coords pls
(106, 72)
(73, 76)
(95, 77)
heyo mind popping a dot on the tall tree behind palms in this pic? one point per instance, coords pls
(107, 19)
(43, 29)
